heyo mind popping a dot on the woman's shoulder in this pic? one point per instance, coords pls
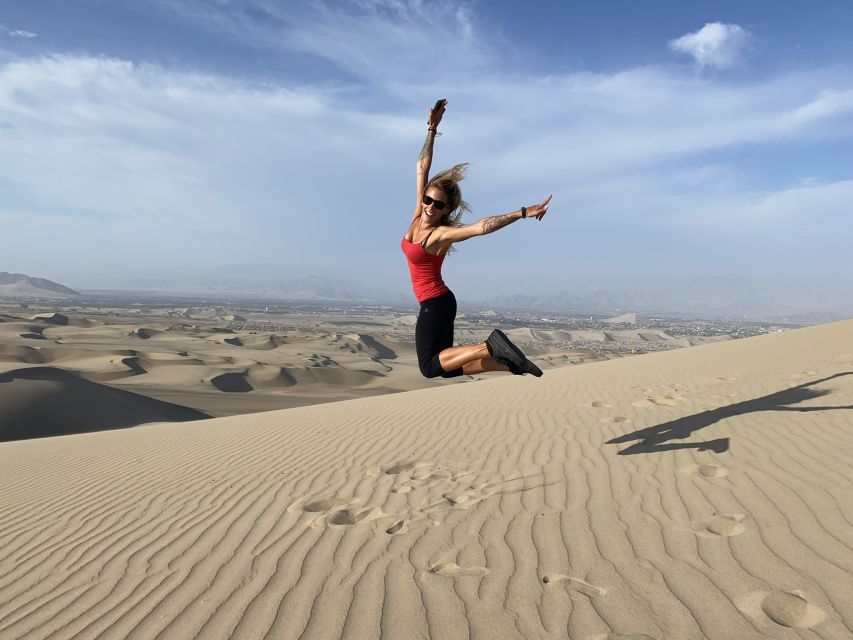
(440, 238)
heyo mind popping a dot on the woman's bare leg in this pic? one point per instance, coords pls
(455, 357)
(473, 358)
(483, 365)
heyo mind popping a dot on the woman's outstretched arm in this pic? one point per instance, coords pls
(492, 223)
(425, 157)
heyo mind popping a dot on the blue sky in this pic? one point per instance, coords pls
(677, 138)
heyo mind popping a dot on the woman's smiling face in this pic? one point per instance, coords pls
(430, 211)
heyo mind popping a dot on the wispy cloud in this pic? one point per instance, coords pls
(17, 33)
(173, 154)
(378, 41)
(716, 44)
(191, 163)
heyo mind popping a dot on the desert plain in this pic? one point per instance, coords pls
(180, 363)
(180, 473)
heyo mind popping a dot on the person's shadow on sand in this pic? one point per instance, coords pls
(657, 438)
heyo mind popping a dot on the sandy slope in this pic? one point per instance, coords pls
(37, 402)
(698, 493)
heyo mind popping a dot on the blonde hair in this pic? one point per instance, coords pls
(448, 181)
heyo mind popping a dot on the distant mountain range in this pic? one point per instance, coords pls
(19, 285)
(735, 296)
(743, 296)
(257, 281)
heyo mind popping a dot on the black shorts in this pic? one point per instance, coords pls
(434, 334)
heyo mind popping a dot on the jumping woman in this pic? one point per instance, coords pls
(435, 227)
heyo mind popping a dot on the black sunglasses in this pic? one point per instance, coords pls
(438, 204)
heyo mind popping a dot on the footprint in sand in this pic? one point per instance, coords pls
(575, 584)
(726, 524)
(786, 608)
(463, 498)
(600, 404)
(421, 473)
(405, 525)
(331, 513)
(397, 527)
(405, 465)
(790, 609)
(449, 474)
(351, 516)
(328, 504)
(712, 471)
(453, 569)
(416, 471)
(474, 493)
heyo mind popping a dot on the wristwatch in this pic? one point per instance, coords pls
(523, 212)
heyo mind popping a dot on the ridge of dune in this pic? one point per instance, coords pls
(696, 493)
(41, 401)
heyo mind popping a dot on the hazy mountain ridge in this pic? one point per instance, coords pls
(723, 295)
(276, 282)
(20, 285)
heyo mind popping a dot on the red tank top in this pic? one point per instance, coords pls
(425, 270)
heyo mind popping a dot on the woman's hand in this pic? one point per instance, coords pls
(538, 211)
(436, 114)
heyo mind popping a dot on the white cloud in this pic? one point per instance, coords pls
(716, 44)
(137, 163)
(377, 41)
(169, 155)
(17, 33)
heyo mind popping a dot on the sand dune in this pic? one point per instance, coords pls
(51, 318)
(36, 402)
(697, 493)
(194, 364)
(222, 363)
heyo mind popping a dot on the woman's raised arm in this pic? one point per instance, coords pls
(425, 158)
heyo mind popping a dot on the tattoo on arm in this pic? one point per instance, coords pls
(493, 223)
(426, 151)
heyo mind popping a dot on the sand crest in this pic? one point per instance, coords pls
(37, 402)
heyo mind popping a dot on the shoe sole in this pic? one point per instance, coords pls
(529, 367)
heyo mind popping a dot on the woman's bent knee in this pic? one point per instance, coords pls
(430, 370)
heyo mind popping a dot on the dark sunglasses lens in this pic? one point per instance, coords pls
(438, 204)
